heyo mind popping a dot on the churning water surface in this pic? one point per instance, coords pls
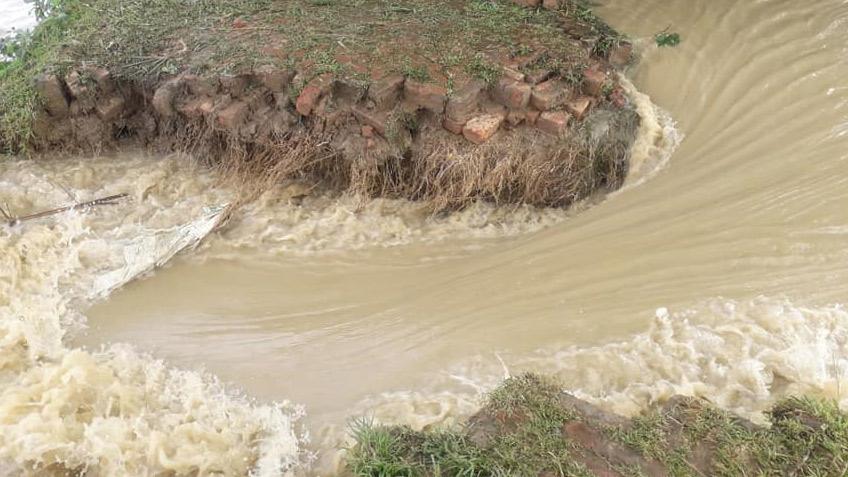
(719, 272)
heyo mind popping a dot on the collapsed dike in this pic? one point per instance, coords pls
(521, 104)
(543, 125)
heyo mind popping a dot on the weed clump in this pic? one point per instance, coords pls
(666, 38)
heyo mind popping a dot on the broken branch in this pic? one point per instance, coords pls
(110, 200)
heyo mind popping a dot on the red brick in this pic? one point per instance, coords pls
(537, 76)
(196, 107)
(233, 115)
(548, 95)
(478, 130)
(513, 74)
(618, 98)
(311, 94)
(235, 85)
(463, 103)
(201, 86)
(550, 4)
(514, 118)
(52, 93)
(553, 122)
(386, 91)
(579, 107)
(275, 79)
(163, 98)
(76, 85)
(593, 81)
(453, 126)
(110, 108)
(426, 95)
(375, 119)
(512, 94)
(103, 79)
(239, 23)
(621, 55)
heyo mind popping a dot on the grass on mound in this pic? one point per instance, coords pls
(533, 446)
(430, 40)
(807, 437)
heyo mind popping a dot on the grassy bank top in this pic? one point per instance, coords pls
(530, 427)
(441, 41)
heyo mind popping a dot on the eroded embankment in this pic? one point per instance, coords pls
(448, 104)
(528, 426)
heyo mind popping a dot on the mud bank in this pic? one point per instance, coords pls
(527, 120)
(528, 426)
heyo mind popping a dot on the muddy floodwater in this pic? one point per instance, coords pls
(719, 270)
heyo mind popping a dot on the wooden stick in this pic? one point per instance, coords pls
(110, 200)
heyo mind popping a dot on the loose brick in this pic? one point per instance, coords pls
(110, 108)
(163, 98)
(275, 79)
(76, 85)
(385, 92)
(235, 85)
(618, 98)
(201, 86)
(375, 119)
(311, 94)
(553, 122)
(52, 93)
(548, 95)
(537, 76)
(103, 79)
(579, 107)
(621, 55)
(478, 130)
(426, 95)
(233, 115)
(512, 73)
(463, 103)
(593, 81)
(453, 126)
(514, 118)
(512, 94)
(196, 107)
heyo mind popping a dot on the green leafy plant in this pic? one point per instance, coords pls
(667, 38)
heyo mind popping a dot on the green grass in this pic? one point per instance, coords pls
(137, 40)
(143, 40)
(523, 421)
(667, 38)
(528, 442)
(789, 447)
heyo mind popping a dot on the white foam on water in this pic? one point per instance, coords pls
(742, 356)
(17, 16)
(657, 139)
(112, 411)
